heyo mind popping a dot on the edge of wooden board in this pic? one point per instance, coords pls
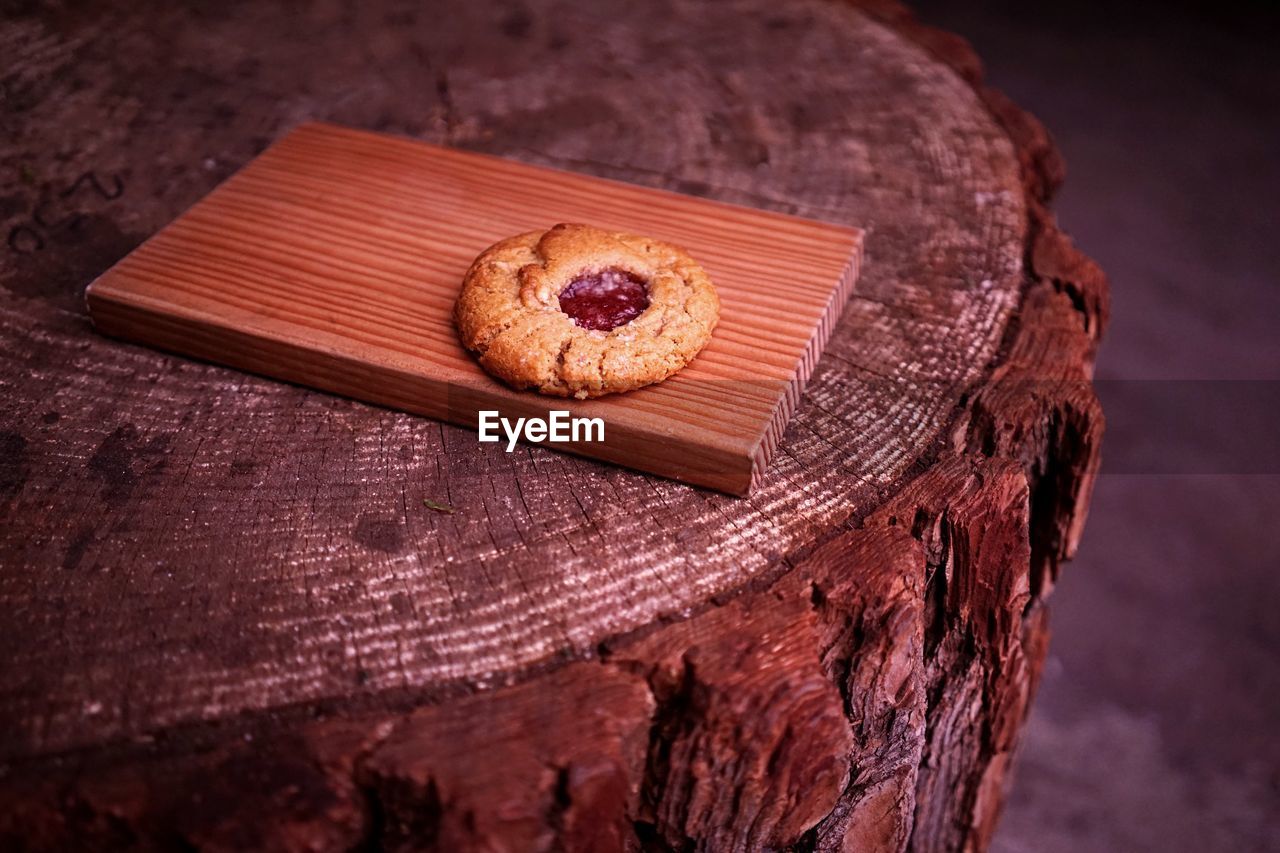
(852, 232)
(771, 436)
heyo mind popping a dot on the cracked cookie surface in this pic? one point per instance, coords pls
(576, 311)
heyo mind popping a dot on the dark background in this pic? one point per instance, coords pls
(1154, 728)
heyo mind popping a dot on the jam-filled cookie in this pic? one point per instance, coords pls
(579, 311)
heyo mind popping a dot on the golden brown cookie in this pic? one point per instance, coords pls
(578, 311)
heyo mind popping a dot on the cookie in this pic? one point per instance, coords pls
(577, 311)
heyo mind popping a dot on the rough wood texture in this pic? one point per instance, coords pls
(218, 584)
(334, 260)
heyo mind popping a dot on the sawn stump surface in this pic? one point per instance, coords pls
(230, 619)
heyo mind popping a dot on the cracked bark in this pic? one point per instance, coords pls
(842, 662)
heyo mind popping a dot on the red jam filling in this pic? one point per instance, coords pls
(605, 299)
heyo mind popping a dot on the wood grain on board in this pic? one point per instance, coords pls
(334, 259)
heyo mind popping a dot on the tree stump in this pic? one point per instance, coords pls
(231, 622)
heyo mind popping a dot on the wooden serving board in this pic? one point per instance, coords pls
(334, 259)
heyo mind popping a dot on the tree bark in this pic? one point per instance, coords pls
(233, 624)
